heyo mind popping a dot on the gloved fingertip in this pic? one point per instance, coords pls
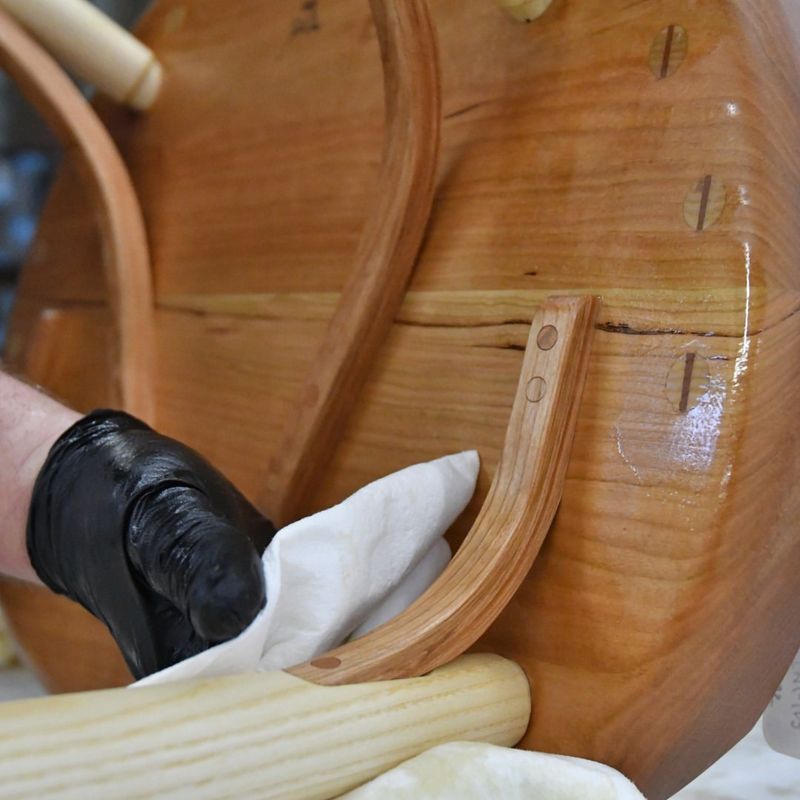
(225, 601)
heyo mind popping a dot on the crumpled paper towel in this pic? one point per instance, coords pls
(473, 771)
(345, 570)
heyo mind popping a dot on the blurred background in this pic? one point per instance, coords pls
(28, 159)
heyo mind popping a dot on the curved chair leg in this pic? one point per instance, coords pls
(505, 539)
(267, 735)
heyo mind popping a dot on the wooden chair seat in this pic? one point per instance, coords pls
(644, 154)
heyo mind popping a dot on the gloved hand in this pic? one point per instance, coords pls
(146, 535)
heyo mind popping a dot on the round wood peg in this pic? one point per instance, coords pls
(689, 378)
(704, 203)
(547, 337)
(524, 10)
(326, 662)
(536, 389)
(668, 51)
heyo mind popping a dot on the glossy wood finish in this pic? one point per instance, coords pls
(126, 266)
(509, 531)
(384, 259)
(662, 610)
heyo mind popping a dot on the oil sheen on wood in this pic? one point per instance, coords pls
(646, 153)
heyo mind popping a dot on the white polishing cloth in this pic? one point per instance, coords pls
(345, 570)
(351, 568)
(472, 771)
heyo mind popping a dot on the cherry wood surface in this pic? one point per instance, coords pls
(662, 610)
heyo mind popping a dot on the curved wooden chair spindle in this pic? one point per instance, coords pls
(385, 256)
(86, 141)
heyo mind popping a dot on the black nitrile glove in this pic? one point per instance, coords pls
(146, 535)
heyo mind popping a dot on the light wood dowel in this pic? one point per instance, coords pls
(384, 260)
(127, 260)
(256, 736)
(508, 533)
(93, 46)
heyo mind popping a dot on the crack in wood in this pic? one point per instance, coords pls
(519, 347)
(465, 110)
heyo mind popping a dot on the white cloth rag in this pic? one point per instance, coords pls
(345, 570)
(472, 771)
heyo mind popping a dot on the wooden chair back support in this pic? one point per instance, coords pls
(126, 263)
(384, 259)
(642, 153)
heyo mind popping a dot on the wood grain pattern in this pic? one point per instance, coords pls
(662, 610)
(267, 735)
(127, 265)
(384, 259)
(498, 552)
